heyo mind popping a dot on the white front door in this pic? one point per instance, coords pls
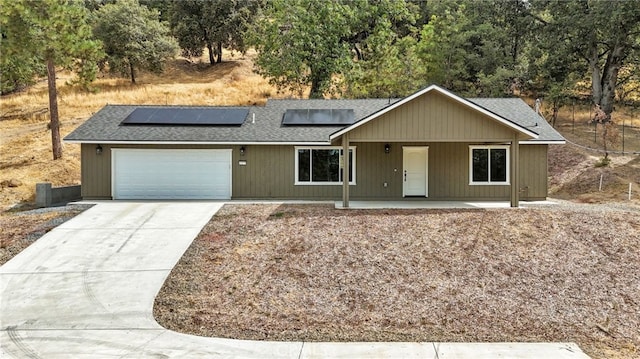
(415, 166)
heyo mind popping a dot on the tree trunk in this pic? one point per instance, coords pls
(610, 79)
(132, 70)
(219, 51)
(212, 59)
(603, 82)
(56, 146)
(605, 134)
(596, 77)
(603, 85)
(316, 88)
(359, 55)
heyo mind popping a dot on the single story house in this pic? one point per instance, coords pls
(431, 145)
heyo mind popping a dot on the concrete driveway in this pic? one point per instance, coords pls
(86, 289)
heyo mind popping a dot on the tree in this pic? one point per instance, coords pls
(300, 43)
(383, 44)
(604, 34)
(304, 43)
(629, 82)
(443, 48)
(18, 70)
(552, 68)
(133, 38)
(212, 24)
(475, 47)
(389, 67)
(52, 33)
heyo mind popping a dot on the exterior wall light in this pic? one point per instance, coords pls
(98, 150)
(242, 151)
(387, 148)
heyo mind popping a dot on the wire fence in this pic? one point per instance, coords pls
(575, 122)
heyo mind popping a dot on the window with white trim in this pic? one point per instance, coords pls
(489, 165)
(322, 165)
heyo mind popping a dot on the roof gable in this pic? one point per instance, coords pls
(432, 117)
(529, 134)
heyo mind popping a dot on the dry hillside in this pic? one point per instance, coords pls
(25, 141)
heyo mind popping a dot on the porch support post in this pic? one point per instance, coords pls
(345, 170)
(515, 171)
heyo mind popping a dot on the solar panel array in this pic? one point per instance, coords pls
(233, 116)
(318, 117)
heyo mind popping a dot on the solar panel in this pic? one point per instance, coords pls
(187, 116)
(318, 117)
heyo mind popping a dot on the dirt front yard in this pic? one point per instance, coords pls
(311, 272)
(19, 229)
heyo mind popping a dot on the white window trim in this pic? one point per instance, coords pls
(304, 183)
(489, 183)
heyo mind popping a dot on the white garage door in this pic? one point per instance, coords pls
(171, 174)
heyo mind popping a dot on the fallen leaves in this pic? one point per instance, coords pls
(310, 272)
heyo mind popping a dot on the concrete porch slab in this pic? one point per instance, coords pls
(438, 204)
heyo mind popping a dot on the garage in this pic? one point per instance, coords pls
(171, 173)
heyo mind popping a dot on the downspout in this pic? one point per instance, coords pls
(345, 170)
(515, 171)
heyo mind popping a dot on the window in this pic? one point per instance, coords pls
(322, 165)
(489, 165)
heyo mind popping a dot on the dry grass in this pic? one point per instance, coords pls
(185, 82)
(25, 142)
(315, 273)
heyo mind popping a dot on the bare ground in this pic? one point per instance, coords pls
(574, 176)
(294, 272)
(18, 230)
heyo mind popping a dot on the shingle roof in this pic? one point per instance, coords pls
(518, 111)
(105, 125)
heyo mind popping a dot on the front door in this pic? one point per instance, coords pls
(415, 165)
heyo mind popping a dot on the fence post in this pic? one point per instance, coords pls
(573, 116)
(600, 187)
(623, 122)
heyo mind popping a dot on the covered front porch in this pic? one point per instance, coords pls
(442, 172)
(439, 146)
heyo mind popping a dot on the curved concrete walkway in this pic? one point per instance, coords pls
(86, 290)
